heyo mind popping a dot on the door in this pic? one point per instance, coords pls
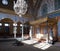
(6, 30)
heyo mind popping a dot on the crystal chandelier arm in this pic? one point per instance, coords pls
(20, 7)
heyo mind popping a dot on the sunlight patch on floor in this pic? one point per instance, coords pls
(19, 39)
(30, 41)
(42, 46)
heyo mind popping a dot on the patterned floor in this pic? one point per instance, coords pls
(42, 45)
(8, 46)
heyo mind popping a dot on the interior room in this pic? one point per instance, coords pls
(29, 25)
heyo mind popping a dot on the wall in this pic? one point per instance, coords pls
(46, 30)
(15, 18)
(50, 6)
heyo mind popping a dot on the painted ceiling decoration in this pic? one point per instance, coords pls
(6, 6)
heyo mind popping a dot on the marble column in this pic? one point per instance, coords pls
(15, 31)
(22, 32)
(51, 34)
(30, 33)
(47, 32)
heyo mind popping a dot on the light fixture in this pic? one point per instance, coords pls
(20, 7)
(5, 2)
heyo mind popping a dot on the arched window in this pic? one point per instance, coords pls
(5, 2)
(6, 24)
(44, 9)
(57, 4)
(0, 24)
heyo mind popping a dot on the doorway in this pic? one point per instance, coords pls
(6, 30)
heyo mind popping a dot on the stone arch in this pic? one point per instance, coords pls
(7, 20)
(7, 30)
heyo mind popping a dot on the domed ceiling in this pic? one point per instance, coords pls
(7, 7)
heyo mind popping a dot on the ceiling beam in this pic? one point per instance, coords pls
(7, 11)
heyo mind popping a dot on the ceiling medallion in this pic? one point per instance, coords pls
(4, 2)
(20, 7)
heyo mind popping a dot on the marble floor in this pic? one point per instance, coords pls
(8, 46)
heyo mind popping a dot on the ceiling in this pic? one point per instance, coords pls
(33, 6)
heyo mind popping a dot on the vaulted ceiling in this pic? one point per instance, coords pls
(33, 6)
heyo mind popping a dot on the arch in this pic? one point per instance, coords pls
(44, 9)
(27, 23)
(19, 22)
(7, 20)
(6, 28)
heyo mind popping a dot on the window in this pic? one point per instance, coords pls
(20, 24)
(57, 4)
(0, 24)
(45, 30)
(4, 2)
(44, 9)
(14, 24)
(6, 24)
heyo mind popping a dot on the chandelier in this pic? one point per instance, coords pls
(20, 7)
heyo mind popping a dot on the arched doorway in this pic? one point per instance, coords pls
(6, 28)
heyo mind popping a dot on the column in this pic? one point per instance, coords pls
(55, 35)
(30, 33)
(18, 29)
(51, 39)
(15, 31)
(22, 32)
(47, 32)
